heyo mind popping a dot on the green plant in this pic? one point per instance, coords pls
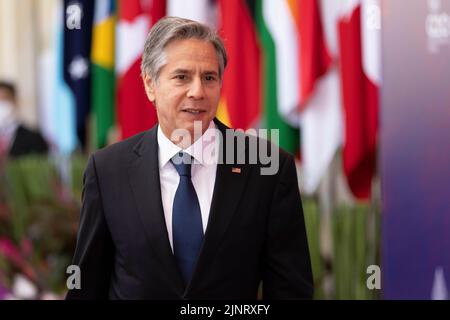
(40, 206)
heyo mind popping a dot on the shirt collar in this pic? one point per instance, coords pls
(200, 150)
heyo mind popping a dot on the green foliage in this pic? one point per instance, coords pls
(40, 203)
(355, 246)
(312, 224)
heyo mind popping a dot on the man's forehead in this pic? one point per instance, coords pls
(191, 65)
(191, 56)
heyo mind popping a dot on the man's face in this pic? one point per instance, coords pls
(188, 88)
(6, 96)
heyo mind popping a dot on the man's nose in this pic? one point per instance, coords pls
(196, 90)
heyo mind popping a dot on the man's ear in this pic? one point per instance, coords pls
(149, 85)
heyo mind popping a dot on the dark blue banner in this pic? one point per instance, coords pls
(78, 21)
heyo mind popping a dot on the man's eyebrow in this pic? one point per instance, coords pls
(211, 72)
(187, 71)
(179, 70)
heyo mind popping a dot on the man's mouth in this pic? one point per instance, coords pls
(193, 111)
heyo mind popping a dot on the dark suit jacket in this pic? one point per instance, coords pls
(26, 142)
(255, 231)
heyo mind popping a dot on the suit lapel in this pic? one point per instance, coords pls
(229, 186)
(145, 184)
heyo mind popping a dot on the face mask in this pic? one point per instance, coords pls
(7, 116)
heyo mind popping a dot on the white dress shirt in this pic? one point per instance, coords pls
(203, 173)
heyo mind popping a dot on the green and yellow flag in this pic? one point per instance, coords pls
(103, 77)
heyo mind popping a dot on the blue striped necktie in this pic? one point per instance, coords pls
(186, 219)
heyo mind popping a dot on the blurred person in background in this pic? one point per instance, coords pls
(15, 138)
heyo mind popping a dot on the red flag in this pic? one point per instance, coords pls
(321, 116)
(360, 97)
(314, 56)
(241, 96)
(135, 112)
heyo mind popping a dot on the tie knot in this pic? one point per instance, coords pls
(182, 163)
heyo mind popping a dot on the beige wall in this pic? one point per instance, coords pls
(25, 32)
(8, 40)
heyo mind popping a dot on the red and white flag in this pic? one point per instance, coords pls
(359, 39)
(321, 117)
(135, 17)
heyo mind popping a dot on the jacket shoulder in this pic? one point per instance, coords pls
(120, 151)
(28, 141)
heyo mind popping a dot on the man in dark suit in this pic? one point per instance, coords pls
(170, 214)
(16, 139)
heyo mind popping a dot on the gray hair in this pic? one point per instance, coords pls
(173, 28)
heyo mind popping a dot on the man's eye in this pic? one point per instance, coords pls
(180, 77)
(210, 78)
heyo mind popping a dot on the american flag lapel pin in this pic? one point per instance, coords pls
(236, 170)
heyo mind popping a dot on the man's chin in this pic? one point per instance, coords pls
(190, 131)
(197, 126)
